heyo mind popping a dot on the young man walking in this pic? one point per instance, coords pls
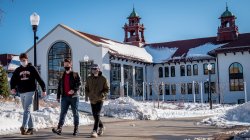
(96, 90)
(67, 91)
(23, 80)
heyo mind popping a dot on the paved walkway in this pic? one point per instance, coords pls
(173, 129)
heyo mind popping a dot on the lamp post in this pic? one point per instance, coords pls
(34, 20)
(209, 67)
(86, 60)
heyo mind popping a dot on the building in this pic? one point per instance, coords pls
(170, 71)
(10, 62)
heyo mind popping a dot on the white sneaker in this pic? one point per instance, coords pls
(94, 134)
(101, 131)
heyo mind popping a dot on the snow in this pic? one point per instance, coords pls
(14, 63)
(11, 114)
(160, 54)
(128, 108)
(127, 50)
(156, 54)
(202, 50)
(232, 117)
(125, 108)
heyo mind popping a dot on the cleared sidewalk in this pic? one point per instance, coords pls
(174, 129)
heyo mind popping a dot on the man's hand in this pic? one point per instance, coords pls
(71, 92)
(13, 91)
(44, 94)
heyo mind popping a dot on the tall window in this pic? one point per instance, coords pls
(236, 79)
(172, 71)
(189, 70)
(167, 89)
(205, 70)
(166, 72)
(139, 81)
(183, 88)
(195, 69)
(196, 88)
(57, 53)
(182, 70)
(160, 71)
(190, 88)
(85, 69)
(128, 79)
(115, 79)
(173, 89)
(150, 90)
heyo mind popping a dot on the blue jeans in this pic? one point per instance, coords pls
(26, 99)
(65, 103)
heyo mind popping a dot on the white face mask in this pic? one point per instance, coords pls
(24, 63)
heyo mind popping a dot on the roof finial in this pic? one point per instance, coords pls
(133, 7)
(226, 6)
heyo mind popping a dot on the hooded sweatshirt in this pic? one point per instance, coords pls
(23, 79)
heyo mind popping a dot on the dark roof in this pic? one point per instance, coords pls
(184, 45)
(241, 44)
(97, 38)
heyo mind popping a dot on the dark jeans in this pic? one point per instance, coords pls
(65, 103)
(96, 110)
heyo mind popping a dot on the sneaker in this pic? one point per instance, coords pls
(30, 131)
(23, 130)
(57, 131)
(100, 131)
(94, 134)
(75, 133)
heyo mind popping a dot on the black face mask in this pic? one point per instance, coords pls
(67, 68)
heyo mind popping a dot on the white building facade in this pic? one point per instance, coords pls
(168, 71)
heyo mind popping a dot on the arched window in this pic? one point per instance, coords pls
(236, 77)
(57, 53)
(160, 70)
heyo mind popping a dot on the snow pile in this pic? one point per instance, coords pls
(11, 114)
(235, 116)
(127, 108)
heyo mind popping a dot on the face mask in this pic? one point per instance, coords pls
(24, 63)
(67, 68)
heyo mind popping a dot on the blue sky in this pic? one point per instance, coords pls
(165, 20)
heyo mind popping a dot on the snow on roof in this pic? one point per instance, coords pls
(127, 50)
(160, 54)
(14, 63)
(202, 50)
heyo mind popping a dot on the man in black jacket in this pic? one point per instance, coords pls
(23, 80)
(67, 91)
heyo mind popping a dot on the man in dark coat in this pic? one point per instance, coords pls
(67, 91)
(96, 90)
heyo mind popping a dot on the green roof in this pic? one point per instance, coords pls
(227, 13)
(133, 14)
